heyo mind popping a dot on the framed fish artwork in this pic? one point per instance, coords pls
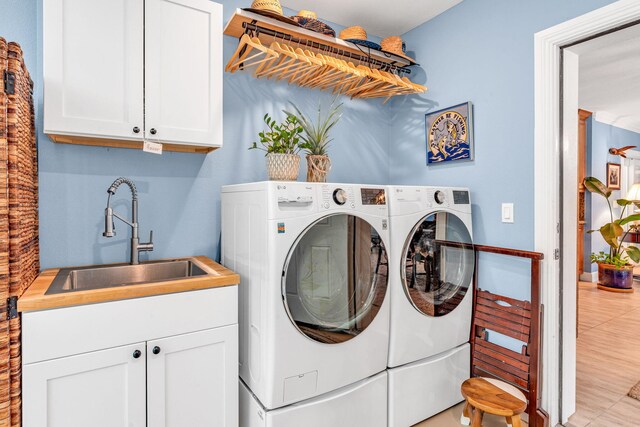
(449, 134)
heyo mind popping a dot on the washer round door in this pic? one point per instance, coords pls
(438, 263)
(335, 278)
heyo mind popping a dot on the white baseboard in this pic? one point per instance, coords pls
(589, 277)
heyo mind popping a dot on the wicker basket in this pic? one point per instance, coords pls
(317, 168)
(283, 167)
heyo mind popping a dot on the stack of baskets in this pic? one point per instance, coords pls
(19, 248)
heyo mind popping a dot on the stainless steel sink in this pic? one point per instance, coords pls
(109, 276)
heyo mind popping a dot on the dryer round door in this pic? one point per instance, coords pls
(437, 267)
(335, 278)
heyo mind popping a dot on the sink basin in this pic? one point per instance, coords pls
(109, 276)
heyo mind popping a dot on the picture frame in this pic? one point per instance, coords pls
(449, 134)
(613, 176)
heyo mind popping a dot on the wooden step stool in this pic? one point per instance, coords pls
(491, 396)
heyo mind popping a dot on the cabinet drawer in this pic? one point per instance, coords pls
(50, 334)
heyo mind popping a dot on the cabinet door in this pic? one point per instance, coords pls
(93, 67)
(183, 71)
(98, 389)
(193, 379)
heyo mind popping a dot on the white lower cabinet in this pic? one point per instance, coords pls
(174, 369)
(100, 389)
(192, 379)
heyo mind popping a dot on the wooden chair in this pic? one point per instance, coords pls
(506, 381)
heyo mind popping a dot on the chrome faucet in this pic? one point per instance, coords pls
(109, 228)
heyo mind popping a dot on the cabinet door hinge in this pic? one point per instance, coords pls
(9, 79)
(12, 307)
(556, 254)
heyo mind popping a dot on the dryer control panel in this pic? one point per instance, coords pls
(348, 197)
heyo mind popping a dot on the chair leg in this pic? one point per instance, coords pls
(514, 421)
(509, 422)
(465, 418)
(477, 418)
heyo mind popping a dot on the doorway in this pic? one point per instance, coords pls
(607, 357)
(555, 192)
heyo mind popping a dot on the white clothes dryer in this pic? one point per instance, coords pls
(312, 259)
(431, 273)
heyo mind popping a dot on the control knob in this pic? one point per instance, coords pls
(340, 196)
(440, 197)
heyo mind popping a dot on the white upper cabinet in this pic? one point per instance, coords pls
(183, 71)
(93, 67)
(119, 71)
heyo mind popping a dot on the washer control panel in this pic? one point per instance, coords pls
(334, 197)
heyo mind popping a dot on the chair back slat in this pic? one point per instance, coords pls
(504, 355)
(480, 368)
(511, 329)
(505, 315)
(503, 305)
(522, 374)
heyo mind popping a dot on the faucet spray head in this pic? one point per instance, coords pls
(109, 229)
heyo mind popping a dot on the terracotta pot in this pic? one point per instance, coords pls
(317, 168)
(283, 167)
(610, 276)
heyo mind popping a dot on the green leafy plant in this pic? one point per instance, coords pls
(316, 134)
(613, 232)
(280, 138)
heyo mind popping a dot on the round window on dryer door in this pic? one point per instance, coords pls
(335, 278)
(438, 264)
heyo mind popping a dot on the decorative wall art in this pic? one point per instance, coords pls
(450, 134)
(613, 176)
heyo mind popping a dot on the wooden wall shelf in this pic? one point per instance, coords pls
(118, 143)
(235, 28)
(309, 59)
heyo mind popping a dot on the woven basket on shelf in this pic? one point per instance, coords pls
(283, 167)
(317, 168)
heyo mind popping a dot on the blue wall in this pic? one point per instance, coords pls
(603, 137)
(482, 51)
(179, 193)
(479, 51)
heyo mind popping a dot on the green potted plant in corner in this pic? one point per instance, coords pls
(615, 273)
(316, 139)
(281, 143)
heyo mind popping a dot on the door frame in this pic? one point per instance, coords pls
(558, 396)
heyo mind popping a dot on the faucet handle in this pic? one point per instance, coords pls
(151, 237)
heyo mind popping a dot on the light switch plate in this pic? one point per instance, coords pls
(507, 213)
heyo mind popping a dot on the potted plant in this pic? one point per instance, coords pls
(316, 139)
(281, 142)
(615, 273)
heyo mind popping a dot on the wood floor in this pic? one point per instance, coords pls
(451, 418)
(608, 358)
(608, 363)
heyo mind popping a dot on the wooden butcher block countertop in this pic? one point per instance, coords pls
(35, 297)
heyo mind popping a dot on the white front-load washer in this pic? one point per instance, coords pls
(314, 316)
(430, 281)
